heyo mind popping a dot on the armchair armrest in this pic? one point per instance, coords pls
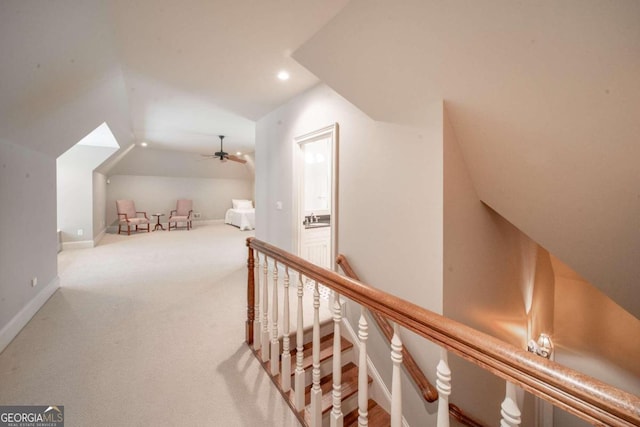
(173, 212)
(126, 218)
(143, 213)
(190, 212)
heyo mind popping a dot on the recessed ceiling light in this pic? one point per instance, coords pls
(144, 144)
(238, 153)
(283, 75)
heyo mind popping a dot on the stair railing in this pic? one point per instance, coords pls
(428, 391)
(583, 396)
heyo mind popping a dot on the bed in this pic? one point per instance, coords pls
(241, 215)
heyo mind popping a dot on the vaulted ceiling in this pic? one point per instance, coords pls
(173, 74)
(544, 97)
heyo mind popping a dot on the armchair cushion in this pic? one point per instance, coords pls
(182, 213)
(183, 209)
(128, 215)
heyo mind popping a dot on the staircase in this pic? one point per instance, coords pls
(377, 415)
(322, 390)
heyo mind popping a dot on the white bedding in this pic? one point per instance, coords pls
(244, 219)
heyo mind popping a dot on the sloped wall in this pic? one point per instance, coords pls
(543, 98)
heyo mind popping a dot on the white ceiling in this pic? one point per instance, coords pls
(177, 73)
(197, 69)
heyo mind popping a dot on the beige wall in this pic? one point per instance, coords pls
(489, 282)
(544, 99)
(595, 333)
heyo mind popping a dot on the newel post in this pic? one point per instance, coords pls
(250, 294)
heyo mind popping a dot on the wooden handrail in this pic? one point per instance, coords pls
(461, 417)
(579, 394)
(428, 391)
(251, 296)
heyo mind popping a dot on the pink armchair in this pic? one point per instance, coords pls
(128, 215)
(182, 213)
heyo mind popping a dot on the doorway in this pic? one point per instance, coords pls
(316, 220)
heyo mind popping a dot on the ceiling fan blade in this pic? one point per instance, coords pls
(236, 159)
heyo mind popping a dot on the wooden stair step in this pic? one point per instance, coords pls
(349, 388)
(326, 350)
(377, 416)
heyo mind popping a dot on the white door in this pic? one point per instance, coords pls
(316, 213)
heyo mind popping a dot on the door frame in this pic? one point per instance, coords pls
(332, 132)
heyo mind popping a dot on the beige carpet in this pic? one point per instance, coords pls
(146, 330)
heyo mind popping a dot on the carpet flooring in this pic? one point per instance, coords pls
(146, 330)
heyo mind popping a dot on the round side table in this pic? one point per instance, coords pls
(158, 225)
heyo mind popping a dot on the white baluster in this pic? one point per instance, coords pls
(316, 391)
(336, 419)
(286, 352)
(299, 384)
(509, 408)
(443, 384)
(363, 376)
(275, 343)
(396, 381)
(257, 326)
(265, 310)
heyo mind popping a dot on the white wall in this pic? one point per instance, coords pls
(158, 194)
(153, 162)
(99, 204)
(75, 184)
(390, 204)
(28, 246)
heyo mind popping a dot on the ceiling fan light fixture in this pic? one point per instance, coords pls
(223, 155)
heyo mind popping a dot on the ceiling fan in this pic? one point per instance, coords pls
(222, 155)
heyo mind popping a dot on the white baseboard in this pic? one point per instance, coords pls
(99, 237)
(82, 244)
(113, 229)
(20, 320)
(208, 221)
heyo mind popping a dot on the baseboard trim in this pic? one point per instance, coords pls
(99, 237)
(20, 320)
(207, 221)
(82, 244)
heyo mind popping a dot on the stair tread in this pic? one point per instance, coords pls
(349, 388)
(376, 415)
(326, 350)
